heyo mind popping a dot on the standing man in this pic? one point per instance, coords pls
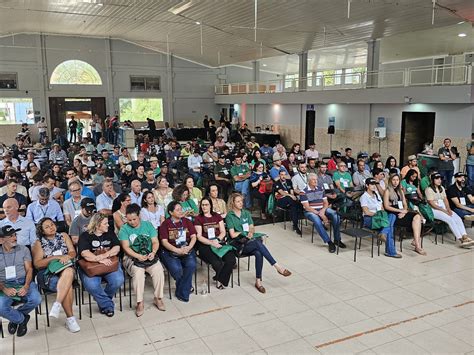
(151, 127)
(470, 161)
(16, 282)
(42, 129)
(72, 129)
(223, 131)
(446, 156)
(241, 173)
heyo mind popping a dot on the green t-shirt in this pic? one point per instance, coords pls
(425, 182)
(129, 233)
(409, 188)
(239, 170)
(345, 179)
(236, 223)
(189, 205)
(223, 171)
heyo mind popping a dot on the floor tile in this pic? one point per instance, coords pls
(399, 346)
(212, 323)
(293, 347)
(342, 314)
(308, 322)
(171, 333)
(196, 346)
(437, 341)
(250, 313)
(236, 342)
(271, 333)
(133, 342)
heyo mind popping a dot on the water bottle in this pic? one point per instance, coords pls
(203, 291)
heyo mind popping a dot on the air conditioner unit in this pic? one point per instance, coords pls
(380, 132)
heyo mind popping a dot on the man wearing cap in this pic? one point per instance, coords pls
(349, 160)
(460, 197)
(342, 179)
(26, 228)
(81, 221)
(7, 157)
(72, 206)
(16, 282)
(57, 155)
(44, 207)
(154, 166)
(446, 156)
(336, 157)
(241, 173)
(412, 164)
(222, 176)
(359, 177)
(276, 168)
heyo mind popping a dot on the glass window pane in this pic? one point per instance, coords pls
(138, 110)
(75, 72)
(14, 111)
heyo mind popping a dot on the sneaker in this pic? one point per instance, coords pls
(469, 218)
(12, 327)
(297, 230)
(396, 256)
(55, 310)
(466, 242)
(331, 247)
(22, 327)
(72, 325)
(341, 244)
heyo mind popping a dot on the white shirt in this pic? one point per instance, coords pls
(153, 218)
(311, 154)
(374, 203)
(24, 164)
(299, 181)
(224, 132)
(194, 162)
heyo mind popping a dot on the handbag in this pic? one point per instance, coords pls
(380, 220)
(266, 186)
(94, 268)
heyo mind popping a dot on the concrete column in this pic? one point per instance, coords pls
(303, 70)
(373, 61)
(256, 70)
(42, 70)
(170, 89)
(110, 101)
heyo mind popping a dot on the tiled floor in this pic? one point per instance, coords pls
(329, 305)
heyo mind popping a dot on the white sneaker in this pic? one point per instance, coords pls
(466, 242)
(55, 310)
(72, 325)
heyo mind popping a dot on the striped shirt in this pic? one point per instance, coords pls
(315, 197)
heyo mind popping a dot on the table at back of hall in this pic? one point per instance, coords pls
(187, 134)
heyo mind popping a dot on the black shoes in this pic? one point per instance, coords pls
(12, 327)
(331, 247)
(22, 327)
(341, 244)
(297, 230)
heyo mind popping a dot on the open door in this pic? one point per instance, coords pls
(57, 114)
(417, 129)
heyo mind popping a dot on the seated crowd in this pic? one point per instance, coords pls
(91, 213)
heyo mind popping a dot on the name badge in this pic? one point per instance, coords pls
(175, 158)
(225, 171)
(463, 201)
(77, 213)
(295, 170)
(349, 165)
(245, 227)
(345, 183)
(57, 252)
(400, 205)
(441, 203)
(415, 208)
(181, 238)
(326, 186)
(379, 207)
(10, 273)
(211, 233)
(240, 174)
(195, 201)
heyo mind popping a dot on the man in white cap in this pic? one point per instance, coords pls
(412, 164)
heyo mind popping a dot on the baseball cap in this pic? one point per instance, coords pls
(88, 204)
(8, 231)
(153, 159)
(411, 157)
(370, 181)
(128, 167)
(459, 174)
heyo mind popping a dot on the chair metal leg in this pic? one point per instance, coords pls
(248, 263)
(312, 234)
(120, 298)
(372, 250)
(1, 329)
(209, 279)
(169, 282)
(130, 290)
(355, 248)
(360, 242)
(232, 279)
(47, 308)
(36, 318)
(90, 306)
(284, 219)
(238, 271)
(195, 281)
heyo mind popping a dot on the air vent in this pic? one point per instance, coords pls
(145, 83)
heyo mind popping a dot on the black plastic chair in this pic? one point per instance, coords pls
(17, 303)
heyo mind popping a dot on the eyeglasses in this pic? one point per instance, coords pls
(76, 190)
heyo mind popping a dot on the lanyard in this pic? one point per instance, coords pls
(76, 206)
(5, 260)
(304, 178)
(42, 210)
(180, 221)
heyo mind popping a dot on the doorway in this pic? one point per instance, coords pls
(62, 108)
(417, 130)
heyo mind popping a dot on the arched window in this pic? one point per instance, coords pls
(75, 72)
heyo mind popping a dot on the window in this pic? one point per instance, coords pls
(138, 110)
(145, 83)
(15, 111)
(75, 72)
(8, 81)
(338, 77)
(291, 81)
(354, 75)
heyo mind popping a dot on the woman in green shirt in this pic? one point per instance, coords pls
(411, 187)
(195, 194)
(181, 195)
(242, 231)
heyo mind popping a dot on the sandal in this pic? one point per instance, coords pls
(220, 287)
(285, 272)
(420, 251)
(260, 288)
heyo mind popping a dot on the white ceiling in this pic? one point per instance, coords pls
(283, 26)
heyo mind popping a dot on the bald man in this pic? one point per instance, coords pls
(27, 233)
(136, 194)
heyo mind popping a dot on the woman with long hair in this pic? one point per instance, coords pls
(296, 150)
(181, 195)
(371, 204)
(257, 157)
(151, 211)
(242, 230)
(85, 176)
(119, 208)
(51, 246)
(390, 164)
(411, 187)
(436, 197)
(211, 233)
(257, 180)
(195, 194)
(99, 244)
(395, 203)
(163, 193)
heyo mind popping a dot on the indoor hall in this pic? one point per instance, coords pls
(254, 176)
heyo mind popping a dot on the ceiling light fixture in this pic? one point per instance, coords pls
(197, 23)
(181, 7)
(460, 23)
(264, 65)
(462, 35)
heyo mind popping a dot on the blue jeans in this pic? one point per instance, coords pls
(470, 174)
(244, 188)
(388, 231)
(103, 297)
(318, 225)
(30, 302)
(463, 213)
(447, 177)
(256, 248)
(181, 269)
(196, 175)
(335, 221)
(52, 284)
